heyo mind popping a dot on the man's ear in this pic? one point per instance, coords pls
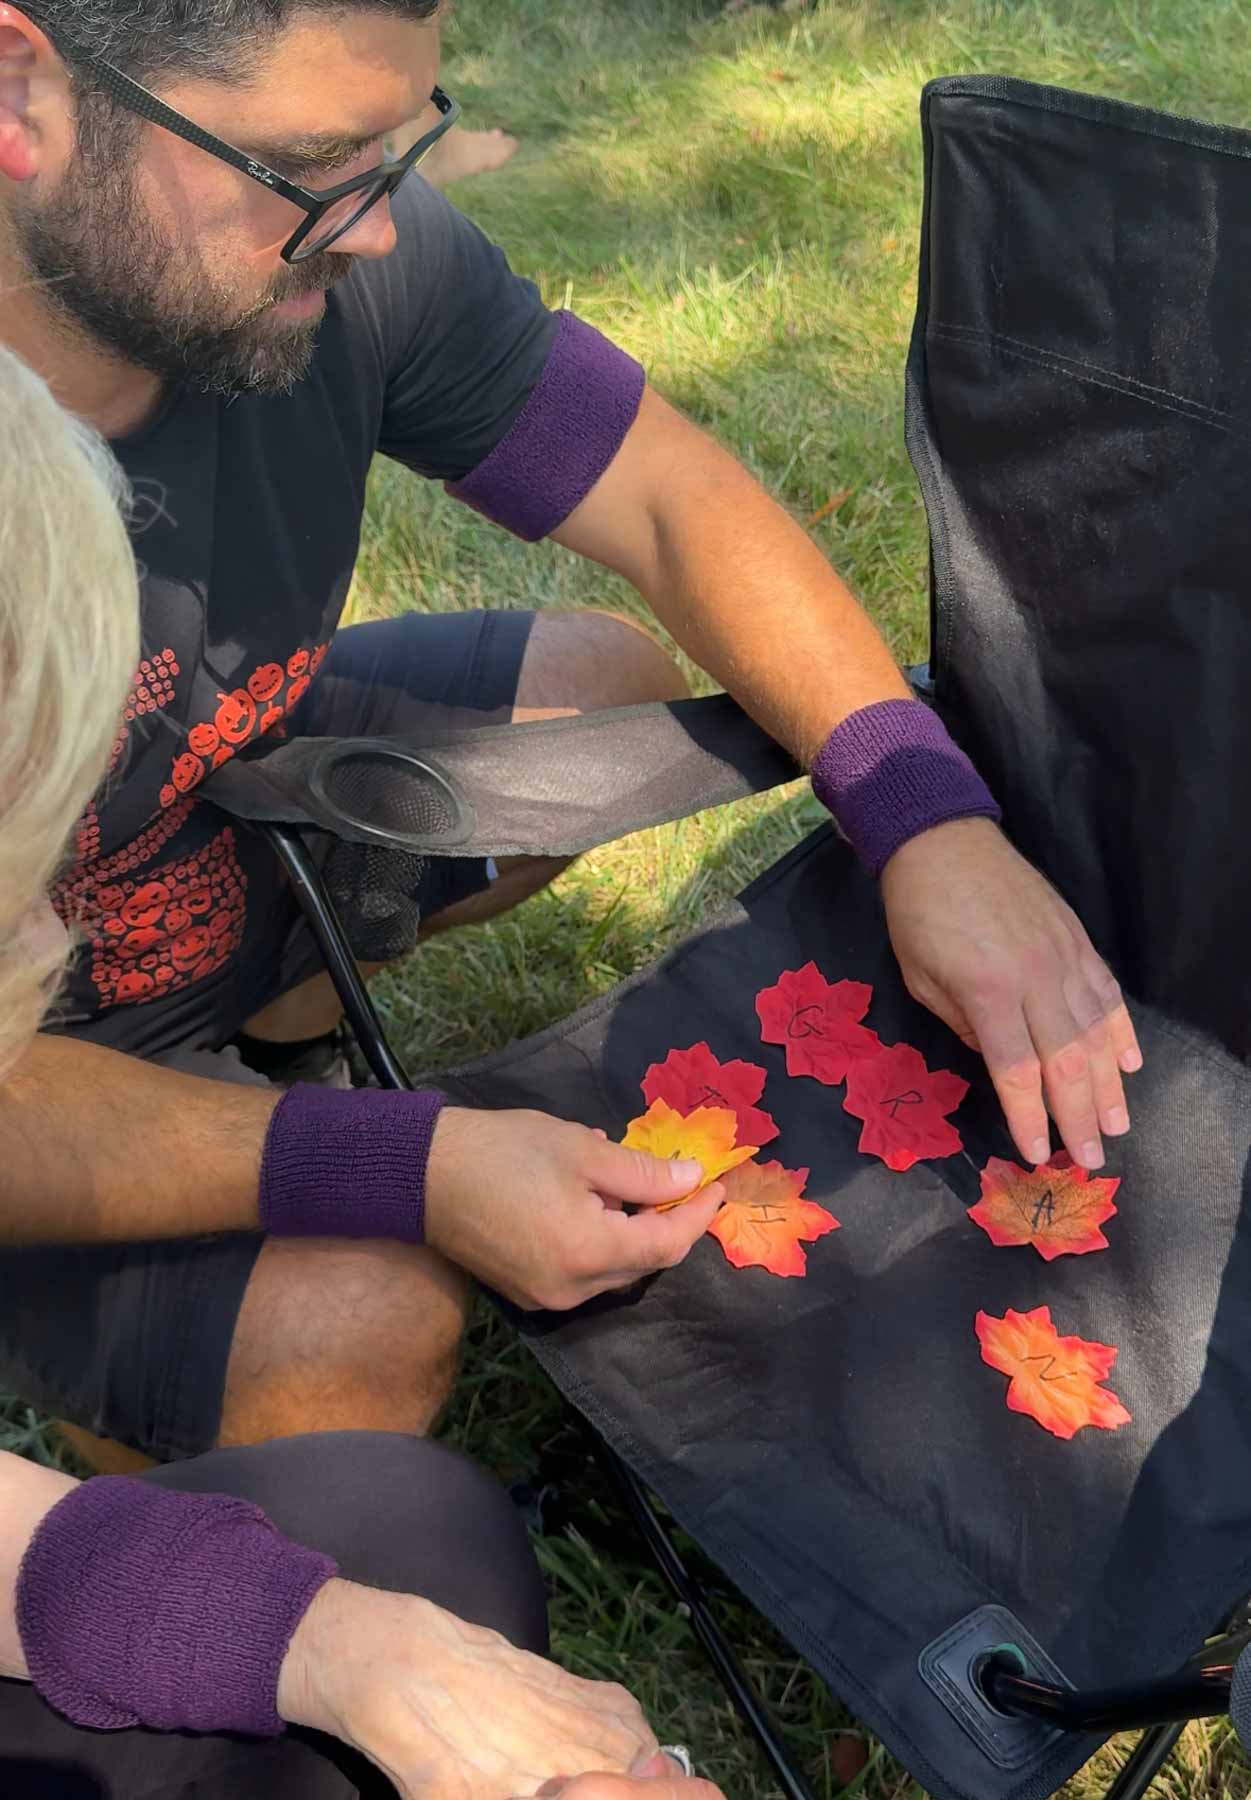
(33, 92)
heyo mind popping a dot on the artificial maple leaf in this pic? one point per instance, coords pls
(1058, 1208)
(1054, 1379)
(903, 1103)
(688, 1079)
(705, 1136)
(818, 1021)
(765, 1218)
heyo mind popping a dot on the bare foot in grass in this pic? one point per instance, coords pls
(460, 154)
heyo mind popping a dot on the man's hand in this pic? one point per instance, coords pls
(535, 1207)
(989, 946)
(450, 1711)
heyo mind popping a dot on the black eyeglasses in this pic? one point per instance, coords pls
(330, 213)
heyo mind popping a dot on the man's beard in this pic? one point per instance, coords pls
(110, 272)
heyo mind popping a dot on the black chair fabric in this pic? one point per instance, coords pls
(1078, 414)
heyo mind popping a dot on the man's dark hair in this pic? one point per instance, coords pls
(218, 40)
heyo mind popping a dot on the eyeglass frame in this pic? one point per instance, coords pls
(386, 175)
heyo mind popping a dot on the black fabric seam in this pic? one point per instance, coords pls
(1162, 398)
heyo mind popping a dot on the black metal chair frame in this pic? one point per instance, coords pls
(1161, 1708)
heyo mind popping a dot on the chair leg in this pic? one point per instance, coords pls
(1151, 1753)
(716, 1645)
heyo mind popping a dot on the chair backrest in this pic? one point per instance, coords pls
(1079, 415)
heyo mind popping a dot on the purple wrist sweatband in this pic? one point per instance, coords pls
(137, 1605)
(892, 771)
(564, 437)
(349, 1165)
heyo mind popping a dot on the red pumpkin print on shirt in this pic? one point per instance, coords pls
(297, 692)
(236, 716)
(188, 771)
(297, 664)
(203, 738)
(134, 986)
(146, 904)
(264, 683)
(274, 715)
(185, 922)
(186, 951)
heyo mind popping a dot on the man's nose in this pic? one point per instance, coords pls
(374, 235)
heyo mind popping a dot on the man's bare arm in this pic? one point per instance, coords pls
(96, 1147)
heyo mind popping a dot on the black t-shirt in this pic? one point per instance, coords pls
(247, 527)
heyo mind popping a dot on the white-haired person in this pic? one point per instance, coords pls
(158, 1635)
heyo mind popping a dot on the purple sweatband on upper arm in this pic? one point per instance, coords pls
(137, 1605)
(564, 438)
(892, 771)
(348, 1165)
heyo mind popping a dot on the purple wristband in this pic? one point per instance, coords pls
(137, 1605)
(892, 771)
(564, 437)
(349, 1165)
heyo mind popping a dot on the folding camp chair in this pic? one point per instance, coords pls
(992, 1601)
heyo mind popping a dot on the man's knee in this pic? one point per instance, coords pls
(395, 1512)
(581, 661)
(337, 1336)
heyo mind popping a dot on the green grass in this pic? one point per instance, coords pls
(736, 200)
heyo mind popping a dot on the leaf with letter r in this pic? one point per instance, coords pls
(904, 1104)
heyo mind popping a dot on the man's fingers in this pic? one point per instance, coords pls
(640, 1179)
(648, 1241)
(1014, 1067)
(1079, 1077)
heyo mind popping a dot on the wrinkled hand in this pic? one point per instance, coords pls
(534, 1207)
(662, 1783)
(449, 1711)
(988, 945)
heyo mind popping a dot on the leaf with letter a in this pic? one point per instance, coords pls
(1058, 1207)
(765, 1219)
(818, 1021)
(706, 1136)
(1054, 1379)
(688, 1079)
(904, 1105)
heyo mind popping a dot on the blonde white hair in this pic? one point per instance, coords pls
(69, 635)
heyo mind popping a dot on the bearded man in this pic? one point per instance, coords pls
(206, 252)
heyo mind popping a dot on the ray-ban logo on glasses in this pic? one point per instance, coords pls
(260, 173)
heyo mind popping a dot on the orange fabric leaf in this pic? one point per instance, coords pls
(818, 1021)
(904, 1105)
(1054, 1379)
(687, 1079)
(1058, 1207)
(706, 1136)
(765, 1218)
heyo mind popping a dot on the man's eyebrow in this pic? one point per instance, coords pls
(320, 150)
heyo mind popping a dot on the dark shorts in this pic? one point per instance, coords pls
(132, 1341)
(395, 1513)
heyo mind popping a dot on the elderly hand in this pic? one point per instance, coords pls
(660, 1783)
(534, 1207)
(449, 1711)
(987, 944)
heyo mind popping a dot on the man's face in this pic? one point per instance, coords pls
(172, 260)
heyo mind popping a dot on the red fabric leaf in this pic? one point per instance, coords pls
(688, 1079)
(818, 1021)
(765, 1219)
(1058, 1208)
(1054, 1379)
(903, 1104)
